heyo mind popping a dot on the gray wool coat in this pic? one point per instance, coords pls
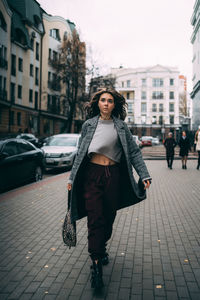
(131, 192)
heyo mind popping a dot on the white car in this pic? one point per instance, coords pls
(60, 150)
(138, 142)
(155, 141)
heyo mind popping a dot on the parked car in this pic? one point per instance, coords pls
(146, 140)
(155, 141)
(20, 162)
(138, 142)
(60, 150)
(28, 137)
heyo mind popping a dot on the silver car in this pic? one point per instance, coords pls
(60, 150)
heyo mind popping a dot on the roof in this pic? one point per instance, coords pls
(27, 9)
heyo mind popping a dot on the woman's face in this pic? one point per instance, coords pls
(106, 103)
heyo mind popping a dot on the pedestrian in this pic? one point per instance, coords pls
(184, 144)
(170, 144)
(197, 143)
(101, 180)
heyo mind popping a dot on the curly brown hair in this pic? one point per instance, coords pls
(119, 110)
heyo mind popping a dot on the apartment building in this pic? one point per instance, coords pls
(19, 110)
(30, 92)
(195, 40)
(152, 94)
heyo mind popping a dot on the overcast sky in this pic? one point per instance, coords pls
(132, 33)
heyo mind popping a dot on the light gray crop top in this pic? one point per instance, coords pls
(106, 141)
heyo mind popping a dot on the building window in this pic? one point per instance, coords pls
(160, 107)
(31, 70)
(128, 82)
(12, 92)
(18, 118)
(3, 57)
(157, 82)
(3, 24)
(154, 107)
(127, 95)
(130, 108)
(49, 103)
(154, 120)
(157, 95)
(55, 33)
(143, 119)
(37, 51)
(171, 81)
(171, 95)
(36, 100)
(32, 43)
(55, 54)
(161, 120)
(50, 53)
(19, 92)
(30, 96)
(36, 76)
(13, 65)
(144, 81)
(171, 119)
(144, 95)
(12, 117)
(171, 107)
(20, 64)
(122, 83)
(143, 107)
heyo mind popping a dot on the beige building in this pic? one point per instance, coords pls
(31, 96)
(52, 118)
(24, 57)
(5, 52)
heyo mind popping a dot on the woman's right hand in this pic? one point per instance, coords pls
(69, 186)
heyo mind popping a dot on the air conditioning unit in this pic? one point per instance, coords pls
(33, 34)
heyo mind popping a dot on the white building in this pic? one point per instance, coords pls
(195, 40)
(152, 94)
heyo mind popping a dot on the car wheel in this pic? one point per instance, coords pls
(38, 174)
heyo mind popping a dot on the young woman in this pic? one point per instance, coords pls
(184, 145)
(101, 180)
(197, 143)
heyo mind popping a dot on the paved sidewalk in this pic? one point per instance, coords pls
(154, 250)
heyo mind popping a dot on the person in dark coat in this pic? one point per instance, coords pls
(170, 144)
(184, 144)
(101, 179)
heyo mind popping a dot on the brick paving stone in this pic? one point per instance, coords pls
(154, 243)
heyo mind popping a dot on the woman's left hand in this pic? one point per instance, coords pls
(146, 184)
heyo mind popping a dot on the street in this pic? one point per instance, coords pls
(154, 251)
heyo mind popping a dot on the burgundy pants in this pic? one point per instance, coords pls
(101, 194)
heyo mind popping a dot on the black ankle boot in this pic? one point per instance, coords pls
(197, 167)
(105, 259)
(96, 275)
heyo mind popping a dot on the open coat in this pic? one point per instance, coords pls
(131, 192)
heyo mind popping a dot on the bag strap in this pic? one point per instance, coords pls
(69, 199)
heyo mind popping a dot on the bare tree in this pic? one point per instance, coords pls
(183, 103)
(71, 70)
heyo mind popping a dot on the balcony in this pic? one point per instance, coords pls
(53, 85)
(54, 109)
(3, 94)
(3, 63)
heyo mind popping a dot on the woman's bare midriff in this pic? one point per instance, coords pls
(101, 160)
